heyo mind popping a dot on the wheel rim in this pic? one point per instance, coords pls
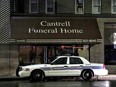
(37, 76)
(87, 75)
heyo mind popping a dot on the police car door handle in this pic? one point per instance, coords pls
(81, 65)
(65, 66)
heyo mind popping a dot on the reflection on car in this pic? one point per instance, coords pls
(63, 66)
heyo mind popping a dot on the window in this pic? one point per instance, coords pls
(96, 6)
(33, 6)
(14, 6)
(17, 6)
(61, 61)
(50, 6)
(114, 38)
(113, 6)
(75, 60)
(79, 6)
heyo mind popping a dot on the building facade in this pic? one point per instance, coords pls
(36, 31)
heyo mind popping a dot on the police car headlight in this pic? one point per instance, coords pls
(25, 69)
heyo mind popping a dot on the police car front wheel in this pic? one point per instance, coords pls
(37, 75)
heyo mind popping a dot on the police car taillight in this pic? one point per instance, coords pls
(104, 66)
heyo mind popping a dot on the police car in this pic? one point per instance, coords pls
(63, 66)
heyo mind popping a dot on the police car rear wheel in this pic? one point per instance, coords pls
(87, 75)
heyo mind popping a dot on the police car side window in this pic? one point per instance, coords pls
(75, 60)
(60, 61)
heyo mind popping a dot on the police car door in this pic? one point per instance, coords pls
(75, 66)
(59, 67)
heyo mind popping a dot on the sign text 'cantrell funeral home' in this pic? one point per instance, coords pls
(55, 27)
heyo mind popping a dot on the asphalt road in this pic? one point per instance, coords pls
(58, 84)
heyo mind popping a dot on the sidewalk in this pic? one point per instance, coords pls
(96, 78)
(108, 77)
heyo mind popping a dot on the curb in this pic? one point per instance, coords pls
(95, 78)
(12, 78)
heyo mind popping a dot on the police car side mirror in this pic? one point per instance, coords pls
(52, 63)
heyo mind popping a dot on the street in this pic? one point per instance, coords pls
(58, 84)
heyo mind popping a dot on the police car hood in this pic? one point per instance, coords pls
(36, 66)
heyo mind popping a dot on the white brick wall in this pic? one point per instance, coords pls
(4, 21)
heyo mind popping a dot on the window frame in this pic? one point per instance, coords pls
(79, 5)
(80, 61)
(93, 7)
(63, 58)
(112, 6)
(30, 6)
(47, 6)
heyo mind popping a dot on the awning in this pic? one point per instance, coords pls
(55, 30)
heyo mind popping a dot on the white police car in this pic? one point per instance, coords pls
(63, 66)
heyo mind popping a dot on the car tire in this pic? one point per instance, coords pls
(37, 75)
(87, 74)
(17, 71)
